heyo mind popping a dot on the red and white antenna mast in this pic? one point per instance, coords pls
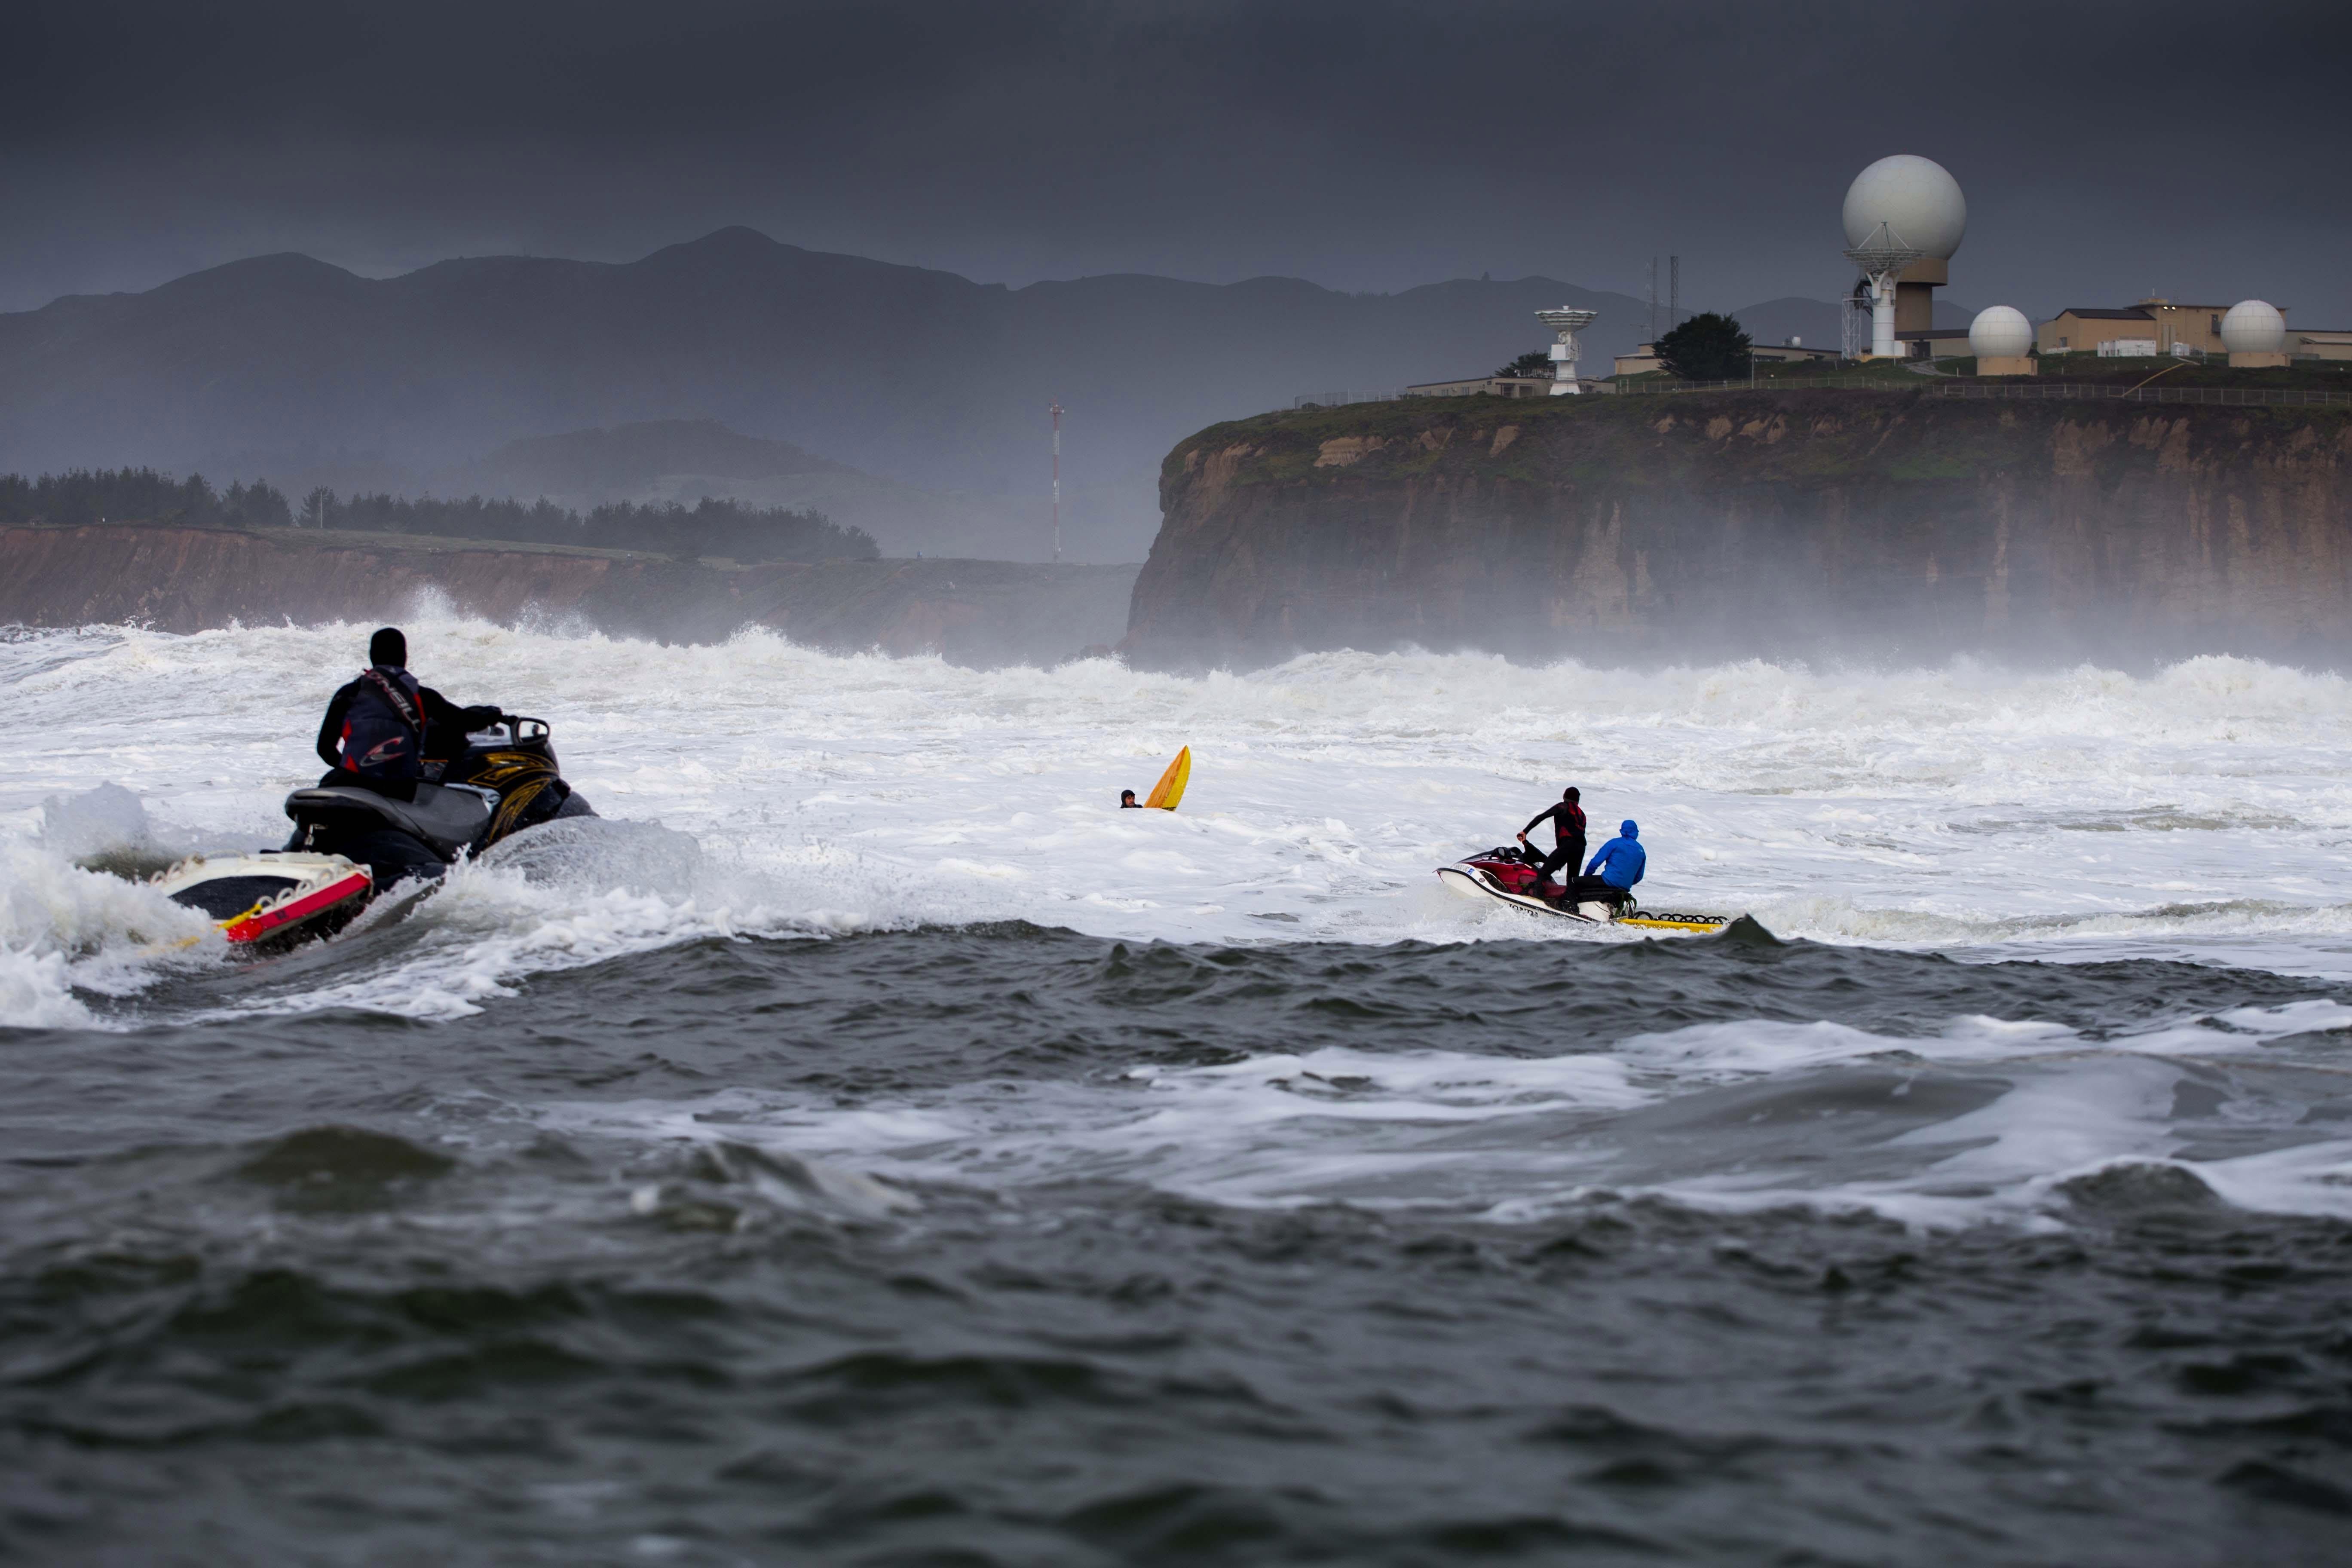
(1057, 479)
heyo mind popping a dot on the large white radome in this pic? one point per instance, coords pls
(2000, 332)
(1915, 197)
(2253, 327)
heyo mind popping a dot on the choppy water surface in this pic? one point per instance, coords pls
(867, 1147)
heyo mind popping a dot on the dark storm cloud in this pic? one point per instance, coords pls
(2106, 149)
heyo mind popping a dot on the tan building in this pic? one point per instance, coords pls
(1640, 361)
(2319, 343)
(1791, 352)
(1644, 358)
(1915, 294)
(1936, 343)
(2193, 326)
(1489, 385)
(2156, 321)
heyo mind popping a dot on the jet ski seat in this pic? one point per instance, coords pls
(448, 819)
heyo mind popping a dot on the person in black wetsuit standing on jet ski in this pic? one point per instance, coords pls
(1567, 821)
(385, 731)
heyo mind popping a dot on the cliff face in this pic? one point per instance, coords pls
(189, 579)
(1714, 525)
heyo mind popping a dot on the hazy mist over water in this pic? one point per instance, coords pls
(867, 1144)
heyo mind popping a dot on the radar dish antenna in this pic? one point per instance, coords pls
(1882, 257)
(1566, 350)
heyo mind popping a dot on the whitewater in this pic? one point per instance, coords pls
(863, 1055)
(2204, 810)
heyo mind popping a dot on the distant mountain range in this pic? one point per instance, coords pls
(684, 460)
(926, 393)
(599, 465)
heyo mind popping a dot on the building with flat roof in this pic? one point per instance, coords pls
(1936, 343)
(1640, 361)
(1487, 385)
(2169, 327)
(1644, 357)
(2319, 343)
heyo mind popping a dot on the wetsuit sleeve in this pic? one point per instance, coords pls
(439, 709)
(331, 730)
(1539, 817)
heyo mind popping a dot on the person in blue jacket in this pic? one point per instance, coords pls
(1620, 864)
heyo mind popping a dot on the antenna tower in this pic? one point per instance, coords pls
(1882, 258)
(1853, 321)
(1653, 299)
(1056, 412)
(1674, 293)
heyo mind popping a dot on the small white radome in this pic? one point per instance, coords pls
(2253, 327)
(2000, 332)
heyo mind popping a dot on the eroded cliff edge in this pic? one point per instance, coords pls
(1771, 523)
(192, 579)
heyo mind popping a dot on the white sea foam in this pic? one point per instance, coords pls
(68, 935)
(2202, 813)
(2205, 811)
(1736, 1117)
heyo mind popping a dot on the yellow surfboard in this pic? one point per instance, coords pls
(1170, 787)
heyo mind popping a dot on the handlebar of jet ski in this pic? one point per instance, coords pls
(512, 723)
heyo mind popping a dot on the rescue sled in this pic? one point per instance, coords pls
(270, 896)
(1503, 876)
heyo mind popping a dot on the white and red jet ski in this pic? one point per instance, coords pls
(348, 840)
(1505, 876)
(271, 897)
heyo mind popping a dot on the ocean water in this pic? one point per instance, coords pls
(864, 1144)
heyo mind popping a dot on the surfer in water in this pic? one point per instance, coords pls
(1126, 801)
(1567, 821)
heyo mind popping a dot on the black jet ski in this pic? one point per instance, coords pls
(351, 842)
(1509, 875)
(505, 781)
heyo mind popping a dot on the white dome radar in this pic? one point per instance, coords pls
(2253, 327)
(2001, 332)
(1915, 196)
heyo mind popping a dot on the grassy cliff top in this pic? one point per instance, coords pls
(1798, 434)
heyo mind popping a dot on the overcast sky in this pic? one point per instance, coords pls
(2106, 150)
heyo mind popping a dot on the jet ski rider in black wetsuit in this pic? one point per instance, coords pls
(1567, 821)
(384, 730)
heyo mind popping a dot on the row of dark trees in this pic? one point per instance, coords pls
(140, 495)
(719, 528)
(731, 528)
